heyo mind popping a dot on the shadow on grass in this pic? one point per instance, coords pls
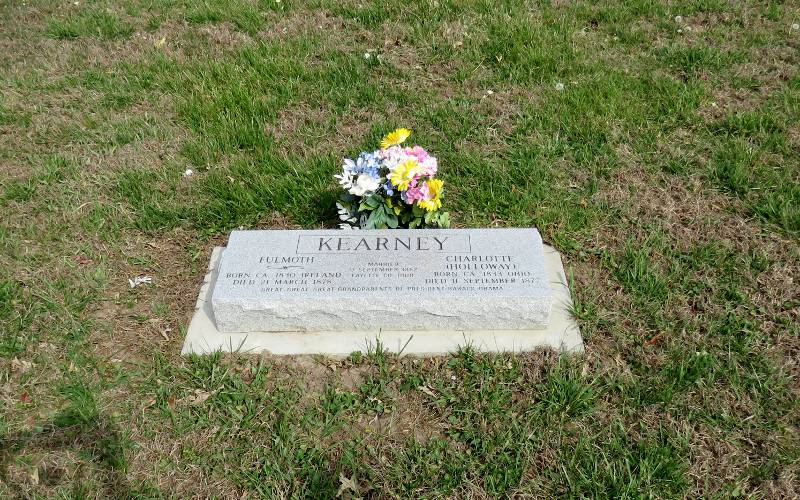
(95, 438)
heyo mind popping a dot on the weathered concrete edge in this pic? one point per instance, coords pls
(333, 313)
(562, 334)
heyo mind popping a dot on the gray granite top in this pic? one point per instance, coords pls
(382, 263)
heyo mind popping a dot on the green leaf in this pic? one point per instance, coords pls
(376, 220)
(444, 220)
(391, 220)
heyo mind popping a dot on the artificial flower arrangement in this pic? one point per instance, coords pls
(392, 187)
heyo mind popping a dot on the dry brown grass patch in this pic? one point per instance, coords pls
(305, 23)
(121, 333)
(693, 215)
(224, 35)
(303, 130)
(159, 459)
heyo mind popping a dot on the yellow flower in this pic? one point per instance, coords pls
(435, 190)
(394, 138)
(430, 205)
(404, 173)
(435, 187)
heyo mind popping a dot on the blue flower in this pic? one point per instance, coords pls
(366, 163)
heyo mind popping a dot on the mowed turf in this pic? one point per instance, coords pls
(656, 145)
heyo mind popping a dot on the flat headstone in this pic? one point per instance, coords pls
(562, 333)
(401, 280)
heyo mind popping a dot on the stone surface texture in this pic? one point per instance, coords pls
(410, 280)
(561, 334)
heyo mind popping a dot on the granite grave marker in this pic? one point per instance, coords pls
(416, 291)
(411, 280)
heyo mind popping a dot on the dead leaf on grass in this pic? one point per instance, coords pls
(347, 484)
(140, 280)
(33, 475)
(427, 390)
(200, 396)
(20, 366)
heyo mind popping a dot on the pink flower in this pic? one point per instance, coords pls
(426, 193)
(415, 193)
(390, 153)
(429, 166)
(418, 152)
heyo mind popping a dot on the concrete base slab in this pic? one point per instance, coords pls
(562, 333)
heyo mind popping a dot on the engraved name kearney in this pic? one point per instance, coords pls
(355, 243)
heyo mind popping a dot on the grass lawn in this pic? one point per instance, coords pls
(656, 145)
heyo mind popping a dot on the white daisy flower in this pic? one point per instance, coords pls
(364, 184)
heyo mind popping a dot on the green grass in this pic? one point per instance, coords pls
(665, 171)
(90, 23)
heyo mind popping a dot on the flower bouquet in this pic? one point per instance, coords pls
(392, 187)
